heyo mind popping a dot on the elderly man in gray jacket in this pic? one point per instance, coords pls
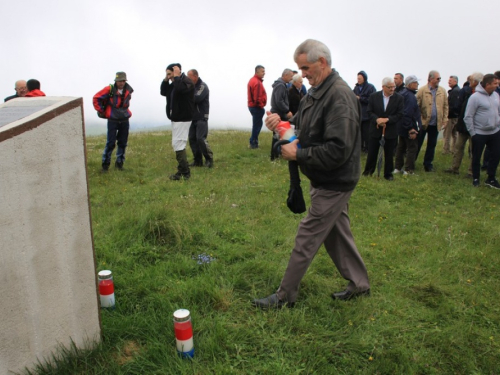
(482, 118)
(328, 129)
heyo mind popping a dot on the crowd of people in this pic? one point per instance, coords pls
(401, 116)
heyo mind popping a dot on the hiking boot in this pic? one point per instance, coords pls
(475, 182)
(196, 164)
(105, 168)
(493, 183)
(209, 163)
(180, 176)
(119, 165)
(451, 171)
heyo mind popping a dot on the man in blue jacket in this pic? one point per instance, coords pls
(408, 128)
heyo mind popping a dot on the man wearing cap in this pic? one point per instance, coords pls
(112, 103)
(179, 92)
(20, 88)
(450, 133)
(198, 131)
(257, 100)
(433, 103)
(363, 90)
(408, 128)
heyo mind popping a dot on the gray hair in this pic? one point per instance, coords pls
(296, 77)
(314, 49)
(455, 78)
(432, 73)
(476, 77)
(387, 80)
(286, 71)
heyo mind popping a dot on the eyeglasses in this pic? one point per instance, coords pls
(391, 87)
(21, 89)
(438, 78)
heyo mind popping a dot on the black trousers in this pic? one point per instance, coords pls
(492, 142)
(198, 132)
(371, 159)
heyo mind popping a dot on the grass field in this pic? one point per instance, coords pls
(431, 243)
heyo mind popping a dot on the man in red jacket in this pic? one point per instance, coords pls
(33, 87)
(112, 102)
(257, 99)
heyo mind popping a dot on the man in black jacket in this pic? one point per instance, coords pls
(385, 108)
(20, 88)
(179, 92)
(450, 133)
(198, 131)
(327, 124)
(462, 133)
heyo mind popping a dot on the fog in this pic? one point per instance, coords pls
(75, 48)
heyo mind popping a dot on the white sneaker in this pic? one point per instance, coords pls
(396, 171)
(405, 173)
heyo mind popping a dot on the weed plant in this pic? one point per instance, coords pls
(430, 241)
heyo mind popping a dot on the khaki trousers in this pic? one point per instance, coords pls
(459, 152)
(450, 136)
(327, 222)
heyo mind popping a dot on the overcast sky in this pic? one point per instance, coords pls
(74, 48)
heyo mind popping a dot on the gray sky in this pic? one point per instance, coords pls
(75, 48)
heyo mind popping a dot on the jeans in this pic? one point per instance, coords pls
(492, 141)
(432, 136)
(117, 133)
(257, 115)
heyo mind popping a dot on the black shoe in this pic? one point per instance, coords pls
(209, 163)
(389, 178)
(105, 168)
(451, 171)
(271, 302)
(180, 176)
(475, 182)
(366, 174)
(429, 169)
(346, 295)
(493, 184)
(119, 165)
(196, 164)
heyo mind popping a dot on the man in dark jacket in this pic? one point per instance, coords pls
(462, 133)
(363, 90)
(198, 130)
(385, 108)
(112, 102)
(20, 88)
(399, 81)
(408, 128)
(327, 126)
(280, 103)
(295, 93)
(179, 92)
(450, 133)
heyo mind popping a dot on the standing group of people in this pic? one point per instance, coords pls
(403, 116)
(26, 89)
(187, 107)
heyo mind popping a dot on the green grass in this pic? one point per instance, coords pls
(431, 243)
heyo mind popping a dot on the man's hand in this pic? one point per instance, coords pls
(177, 71)
(289, 151)
(272, 120)
(382, 121)
(289, 115)
(413, 134)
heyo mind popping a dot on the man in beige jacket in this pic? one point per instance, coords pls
(433, 102)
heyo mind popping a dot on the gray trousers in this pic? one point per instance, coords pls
(327, 222)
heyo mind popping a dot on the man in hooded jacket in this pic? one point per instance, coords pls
(363, 90)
